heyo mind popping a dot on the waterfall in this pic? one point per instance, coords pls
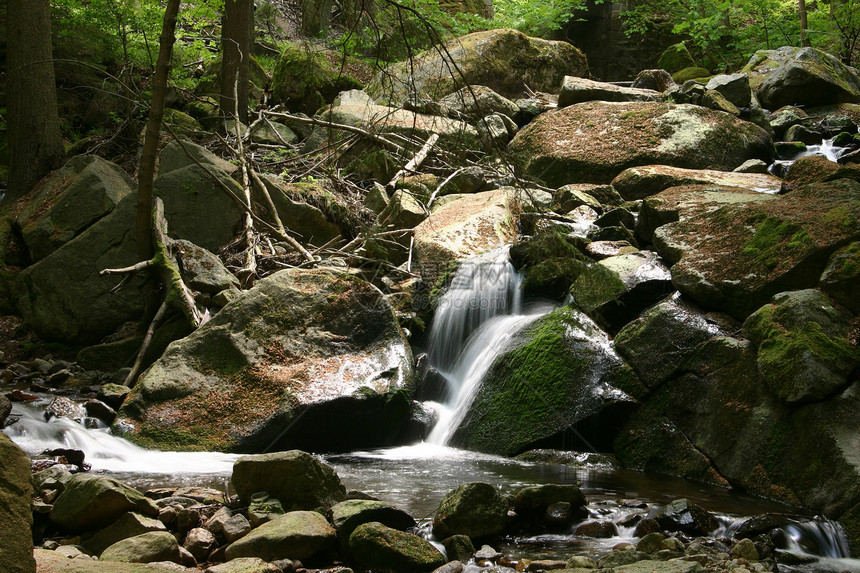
(825, 149)
(475, 321)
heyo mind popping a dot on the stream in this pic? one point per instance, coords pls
(477, 317)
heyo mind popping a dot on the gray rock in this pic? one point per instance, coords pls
(657, 80)
(145, 548)
(473, 509)
(349, 514)
(294, 535)
(203, 271)
(69, 201)
(840, 278)
(16, 518)
(93, 502)
(645, 181)
(273, 133)
(734, 87)
(296, 478)
(300, 217)
(493, 131)
(786, 117)
(380, 548)
(174, 156)
(578, 90)
(199, 542)
(475, 102)
(752, 166)
(128, 525)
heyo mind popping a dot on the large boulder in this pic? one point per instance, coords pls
(735, 257)
(379, 548)
(476, 510)
(842, 275)
(803, 454)
(502, 60)
(305, 220)
(558, 373)
(804, 352)
(349, 514)
(295, 478)
(578, 90)
(293, 535)
(69, 201)
(149, 547)
(476, 102)
(16, 517)
(93, 502)
(466, 226)
(801, 76)
(310, 359)
(129, 524)
(641, 182)
(63, 298)
(595, 141)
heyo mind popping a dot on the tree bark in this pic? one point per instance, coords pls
(35, 142)
(804, 34)
(146, 173)
(235, 50)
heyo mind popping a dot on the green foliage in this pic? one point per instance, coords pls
(535, 17)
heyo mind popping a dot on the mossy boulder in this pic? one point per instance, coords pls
(309, 222)
(293, 535)
(502, 60)
(801, 454)
(69, 201)
(377, 547)
(735, 257)
(306, 78)
(16, 517)
(128, 525)
(63, 297)
(555, 377)
(818, 169)
(841, 277)
(295, 478)
(310, 359)
(692, 73)
(595, 141)
(800, 76)
(657, 343)
(93, 502)
(675, 58)
(150, 547)
(803, 349)
(551, 263)
(210, 82)
(615, 290)
(476, 102)
(641, 182)
(349, 514)
(476, 510)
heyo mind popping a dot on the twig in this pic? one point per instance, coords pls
(147, 341)
(441, 185)
(414, 163)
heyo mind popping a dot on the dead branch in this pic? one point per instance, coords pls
(147, 341)
(414, 163)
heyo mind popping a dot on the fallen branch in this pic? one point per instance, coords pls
(414, 163)
(339, 126)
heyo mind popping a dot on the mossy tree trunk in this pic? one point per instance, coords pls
(236, 40)
(35, 142)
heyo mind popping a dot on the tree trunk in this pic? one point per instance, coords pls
(146, 173)
(35, 142)
(236, 50)
(804, 34)
(316, 17)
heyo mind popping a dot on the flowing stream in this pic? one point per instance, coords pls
(478, 317)
(825, 149)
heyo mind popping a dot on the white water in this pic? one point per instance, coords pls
(825, 149)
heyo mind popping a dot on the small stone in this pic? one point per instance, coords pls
(167, 515)
(651, 543)
(199, 542)
(487, 553)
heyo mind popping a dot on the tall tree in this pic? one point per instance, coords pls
(804, 25)
(35, 142)
(236, 52)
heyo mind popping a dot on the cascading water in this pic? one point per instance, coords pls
(476, 319)
(826, 149)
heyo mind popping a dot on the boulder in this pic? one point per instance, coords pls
(558, 373)
(466, 226)
(719, 397)
(569, 197)
(349, 514)
(199, 542)
(299, 480)
(476, 510)
(675, 58)
(578, 90)
(550, 262)
(785, 117)
(684, 516)
(175, 156)
(145, 548)
(129, 524)
(404, 211)
(818, 169)
(16, 517)
(244, 565)
(658, 342)
(69, 201)
(534, 500)
(656, 79)
(595, 141)
(800, 76)
(804, 354)
(597, 529)
(293, 535)
(380, 548)
(310, 359)
(307, 77)
(63, 298)
(93, 502)
(273, 133)
(476, 102)
(300, 217)
(736, 256)
(615, 290)
(502, 60)
(734, 87)
(841, 277)
(203, 271)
